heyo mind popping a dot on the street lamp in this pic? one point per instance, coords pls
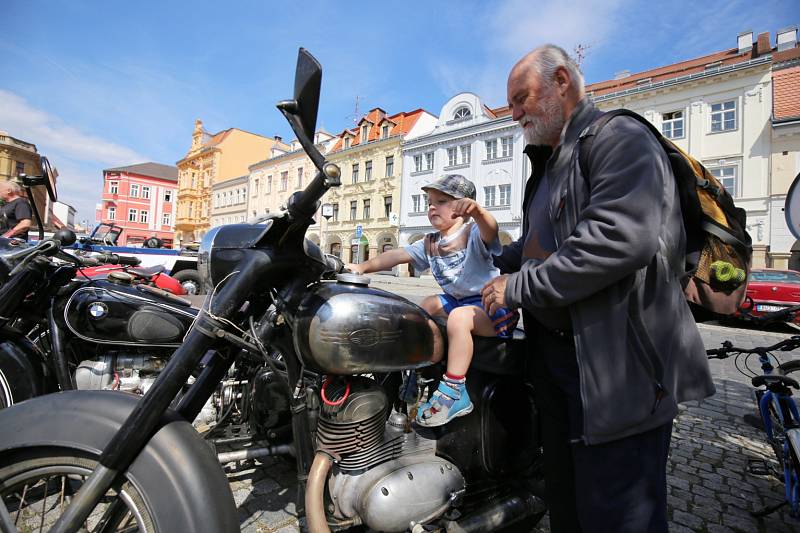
(327, 213)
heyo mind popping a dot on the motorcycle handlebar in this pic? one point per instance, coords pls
(115, 259)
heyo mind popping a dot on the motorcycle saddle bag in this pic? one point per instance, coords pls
(109, 314)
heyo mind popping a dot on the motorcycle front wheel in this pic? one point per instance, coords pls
(39, 484)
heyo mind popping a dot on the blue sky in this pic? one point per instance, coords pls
(98, 84)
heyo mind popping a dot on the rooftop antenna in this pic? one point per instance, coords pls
(580, 52)
(356, 114)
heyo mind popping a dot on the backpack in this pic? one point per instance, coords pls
(718, 248)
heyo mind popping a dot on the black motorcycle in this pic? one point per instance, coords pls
(111, 462)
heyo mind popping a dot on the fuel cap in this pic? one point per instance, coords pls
(352, 279)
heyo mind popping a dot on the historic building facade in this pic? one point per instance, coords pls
(229, 201)
(482, 144)
(141, 200)
(213, 159)
(718, 108)
(366, 206)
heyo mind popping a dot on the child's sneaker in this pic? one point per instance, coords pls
(449, 401)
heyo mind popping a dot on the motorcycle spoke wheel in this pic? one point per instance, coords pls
(37, 490)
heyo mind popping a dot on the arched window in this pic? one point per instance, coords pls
(462, 113)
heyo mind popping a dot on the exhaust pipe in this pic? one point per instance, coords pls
(255, 453)
(315, 493)
(512, 509)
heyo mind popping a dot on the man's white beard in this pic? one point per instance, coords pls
(545, 129)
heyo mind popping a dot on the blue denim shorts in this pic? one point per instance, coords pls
(504, 320)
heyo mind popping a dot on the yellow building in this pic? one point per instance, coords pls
(371, 162)
(213, 159)
(21, 157)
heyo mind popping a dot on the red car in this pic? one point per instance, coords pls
(773, 290)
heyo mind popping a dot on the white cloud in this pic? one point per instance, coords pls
(50, 134)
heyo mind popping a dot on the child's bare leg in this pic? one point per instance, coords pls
(433, 306)
(462, 323)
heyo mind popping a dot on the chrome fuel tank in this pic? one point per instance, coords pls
(346, 328)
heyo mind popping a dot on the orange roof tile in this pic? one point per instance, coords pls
(691, 66)
(786, 96)
(401, 123)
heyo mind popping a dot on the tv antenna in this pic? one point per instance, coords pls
(356, 116)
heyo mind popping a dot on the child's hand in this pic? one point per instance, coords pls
(355, 269)
(464, 206)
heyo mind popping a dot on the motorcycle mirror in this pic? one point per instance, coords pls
(65, 236)
(49, 174)
(792, 208)
(301, 112)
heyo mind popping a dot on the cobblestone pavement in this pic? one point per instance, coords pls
(710, 488)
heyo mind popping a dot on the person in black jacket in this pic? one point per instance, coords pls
(15, 214)
(597, 273)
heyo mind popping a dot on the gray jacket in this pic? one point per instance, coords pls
(617, 269)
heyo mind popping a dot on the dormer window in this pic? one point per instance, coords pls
(462, 113)
(347, 142)
(364, 134)
(385, 131)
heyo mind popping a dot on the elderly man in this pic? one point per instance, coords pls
(15, 214)
(597, 273)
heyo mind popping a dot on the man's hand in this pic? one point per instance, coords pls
(464, 206)
(354, 268)
(493, 294)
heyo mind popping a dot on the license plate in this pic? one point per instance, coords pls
(768, 308)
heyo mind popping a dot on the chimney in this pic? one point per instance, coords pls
(622, 74)
(786, 38)
(745, 41)
(762, 45)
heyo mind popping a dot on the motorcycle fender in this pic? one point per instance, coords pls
(23, 371)
(175, 462)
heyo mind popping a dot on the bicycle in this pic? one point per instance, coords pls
(779, 414)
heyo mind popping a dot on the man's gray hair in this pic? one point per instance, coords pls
(12, 186)
(549, 57)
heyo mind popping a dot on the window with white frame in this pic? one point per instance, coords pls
(269, 185)
(723, 116)
(353, 208)
(489, 196)
(355, 172)
(507, 146)
(462, 113)
(284, 180)
(300, 178)
(216, 200)
(134, 213)
(255, 187)
(168, 195)
(366, 209)
(387, 205)
(347, 142)
(505, 194)
(466, 154)
(112, 213)
(418, 163)
(389, 166)
(452, 157)
(364, 134)
(368, 171)
(145, 192)
(429, 161)
(335, 216)
(385, 131)
(491, 149)
(134, 190)
(166, 219)
(726, 174)
(415, 199)
(143, 216)
(672, 125)
(113, 187)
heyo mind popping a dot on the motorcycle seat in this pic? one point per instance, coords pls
(146, 272)
(494, 355)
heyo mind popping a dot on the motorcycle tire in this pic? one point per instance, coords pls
(190, 280)
(175, 483)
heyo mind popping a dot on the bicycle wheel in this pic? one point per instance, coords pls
(793, 489)
(38, 485)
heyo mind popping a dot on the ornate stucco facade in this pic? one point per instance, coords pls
(210, 160)
(370, 157)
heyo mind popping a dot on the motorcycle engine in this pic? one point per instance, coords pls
(118, 371)
(385, 478)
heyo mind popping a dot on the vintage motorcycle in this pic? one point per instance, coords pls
(112, 462)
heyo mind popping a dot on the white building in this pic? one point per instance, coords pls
(481, 144)
(229, 201)
(719, 109)
(65, 213)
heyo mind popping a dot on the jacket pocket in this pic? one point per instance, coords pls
(645, 352)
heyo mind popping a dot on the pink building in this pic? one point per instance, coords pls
(140, 199)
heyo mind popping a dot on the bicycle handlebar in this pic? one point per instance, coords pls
(727, 349)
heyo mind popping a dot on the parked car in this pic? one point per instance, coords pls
(772, 290)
